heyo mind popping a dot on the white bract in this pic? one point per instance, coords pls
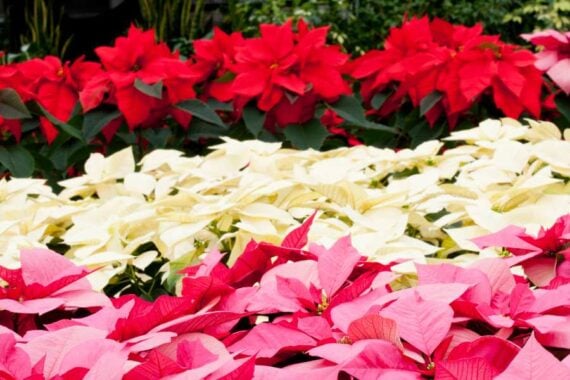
(412, 205)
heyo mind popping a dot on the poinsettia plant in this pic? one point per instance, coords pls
(544, 258)
(442, 75)
(289, 311)
(554, 60)
(288, 84)
(280, 83)
(55, 114)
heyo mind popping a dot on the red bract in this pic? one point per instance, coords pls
(281, 64)
(139, 57)
(196, 356)
(423, 58)
(555, 58)
(544, 257)
(215, 61)
(56, 86)
(332, 122)
(12, 78)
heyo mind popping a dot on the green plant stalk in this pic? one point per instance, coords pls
(185, 18)
(198, 6)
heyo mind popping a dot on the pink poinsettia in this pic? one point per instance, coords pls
(291, 312)
(554, 59)
(192, 355)
(544, 257)
(45, 282)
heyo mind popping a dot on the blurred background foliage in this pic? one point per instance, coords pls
(70, 28)
(361, 24)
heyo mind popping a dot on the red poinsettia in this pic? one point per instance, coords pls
(214, 61)
(137, 61)
(332, 122)
(281, 68)
(11, 78)
(56, 86)
(455, 64)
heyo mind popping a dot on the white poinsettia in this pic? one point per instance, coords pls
(412, 205)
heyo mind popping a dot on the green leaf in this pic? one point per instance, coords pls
(308, 135)
(60, 157)
(30, 125)
(200, 129)
(62, 126)
(422, 132)
(17, 160)
(154, 90)
(228, 76)
(129, 138)
(267, 136)
(429, 102)
(563, 104)
(253, 119)
(95, 121)
(350, 109)
(157, 137)
(202, 111)
(378, 100)
(11, 105)
(219, 106)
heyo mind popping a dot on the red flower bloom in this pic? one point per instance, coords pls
(332, 122)
(266, 66)
(138, 56)
(56, 86)
(422, 57)
(10, 77)
(215, 61)
(283, 64)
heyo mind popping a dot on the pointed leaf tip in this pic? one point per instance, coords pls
(298, 237)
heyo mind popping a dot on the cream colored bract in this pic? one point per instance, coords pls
(421, 204)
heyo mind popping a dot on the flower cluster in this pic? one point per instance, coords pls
(449, 67)
(555, 57)
(144, 78)
(288, 76)
(544, 258)
(142, 222)
(54, 85)
(285, 73)
(140, 77)
(286, 311)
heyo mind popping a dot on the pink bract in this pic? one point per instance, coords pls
(555, 58)
(292, 312)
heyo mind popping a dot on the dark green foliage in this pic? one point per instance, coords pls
(360, 25)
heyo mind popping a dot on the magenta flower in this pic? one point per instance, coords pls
(555, 58)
